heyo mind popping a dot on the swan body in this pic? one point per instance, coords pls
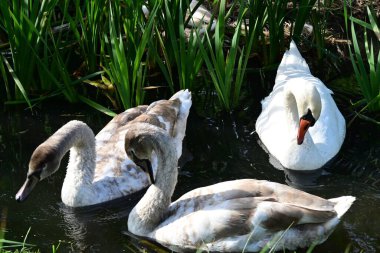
(232, 216)
(300, 124)
(99, 169)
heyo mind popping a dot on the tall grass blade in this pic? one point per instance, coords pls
(227, 71)
(16, 80)
(127, 46)
(303, 12)
(366, 67)
(5, 78)
(97, 106)
(4, 243)
(37, 62)
(178, 46)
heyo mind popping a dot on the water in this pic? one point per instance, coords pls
(215, 151)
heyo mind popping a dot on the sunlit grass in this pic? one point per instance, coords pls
(302, 13)
(21, 21)
(87, 26)
(366, 67)
(225, 69)
(71, 44)
(176, 49)
(126, 45)
(35, 63)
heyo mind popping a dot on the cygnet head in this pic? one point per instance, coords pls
(43, 162)
(309, 109)
(139, 148)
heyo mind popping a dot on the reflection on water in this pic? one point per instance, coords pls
(87, 225)
(215, 151)
(295, 178)
(302, 179)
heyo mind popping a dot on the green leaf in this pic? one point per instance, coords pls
(97, 106)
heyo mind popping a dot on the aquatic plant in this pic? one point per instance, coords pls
(273, 15)
(263, 34)
(87, 26)
(366, 67)
(23, 24)
(33, 57)
(125, 46)
(274, 18)
(9, 244)
(179, 47)
(224, 69)
(115, 47)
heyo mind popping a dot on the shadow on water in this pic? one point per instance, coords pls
(215, 150)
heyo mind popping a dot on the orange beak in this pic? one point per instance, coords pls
(303, 127)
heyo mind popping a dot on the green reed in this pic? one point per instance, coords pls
(88, 26)
(274, 18)
(220, 65)
(113, 44)
(366, 67)
(35, 60)
(24, 24)
(301, 15)
(179, 47)
(129, 35)
(264, 35)
(15, 246)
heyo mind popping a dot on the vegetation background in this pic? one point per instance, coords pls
(113, 55)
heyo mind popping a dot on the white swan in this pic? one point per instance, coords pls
(228, 216)
(99, 169)
(299, 101)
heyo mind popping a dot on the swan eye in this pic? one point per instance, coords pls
(131, 154)
(35, 173)
(309, 117)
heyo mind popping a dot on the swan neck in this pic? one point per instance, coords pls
(291, 108)
(80, 140)
(151, 209)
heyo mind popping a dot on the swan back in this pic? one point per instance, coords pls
(232, 215)
(292, 63)
(170, 115)
(303, 99)
(111, 160)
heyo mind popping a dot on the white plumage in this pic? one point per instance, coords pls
(295, 92)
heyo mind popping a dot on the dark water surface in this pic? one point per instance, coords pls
(215, 151)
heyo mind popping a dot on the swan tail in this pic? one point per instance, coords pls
(184, 97)
(342, 204)
(292, 61)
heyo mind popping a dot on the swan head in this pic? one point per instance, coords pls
(43, 162)
(309, 108)
(304, 104)
(139, 148)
